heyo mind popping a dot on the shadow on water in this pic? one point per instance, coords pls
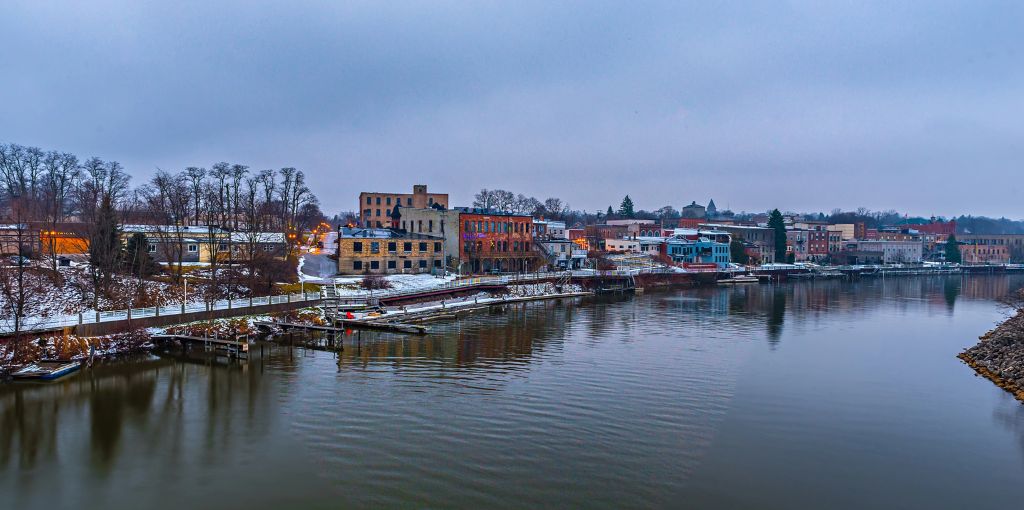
(776, 316)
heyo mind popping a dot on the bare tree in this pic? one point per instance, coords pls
(196, 176)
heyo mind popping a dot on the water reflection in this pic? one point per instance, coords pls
(570, 398)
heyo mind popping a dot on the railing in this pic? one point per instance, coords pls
(94, 317)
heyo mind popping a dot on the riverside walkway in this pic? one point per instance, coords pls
(93, 322)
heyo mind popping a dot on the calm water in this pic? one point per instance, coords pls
(812, 395)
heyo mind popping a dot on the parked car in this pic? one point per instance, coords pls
(17, 260)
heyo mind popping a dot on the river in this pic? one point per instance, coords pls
(805, 395)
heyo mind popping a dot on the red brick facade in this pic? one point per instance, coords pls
(496, 242)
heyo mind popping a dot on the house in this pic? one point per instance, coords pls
(549, 229)
(375, 207)
(187, 243)
(563, 253)
(387, 251)
(246, 245)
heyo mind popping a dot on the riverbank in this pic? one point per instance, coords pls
(999, 356)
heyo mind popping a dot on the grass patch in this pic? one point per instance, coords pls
(290, 288)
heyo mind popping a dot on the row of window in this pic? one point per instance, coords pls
(358, 265)
(393, 246)
(397, 201)
(498, 227)
(417, 226)
(496, 246)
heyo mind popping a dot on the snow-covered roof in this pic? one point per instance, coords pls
(184, 229)
(258, 237)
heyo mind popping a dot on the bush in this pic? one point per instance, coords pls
(375, 282)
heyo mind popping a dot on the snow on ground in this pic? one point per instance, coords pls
(352, 285)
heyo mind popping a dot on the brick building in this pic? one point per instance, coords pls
(387, 251)
(496, 242)
(375, 207)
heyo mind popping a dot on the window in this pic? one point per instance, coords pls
(193, 248)
(430, 225)
(392, 264)
(467, 229)
(374, 264)
(437, 263)
(268, 247)
(437, 247)
(222, 247)
(407, 264)
(366, 212)
(357, 247)
(419, 224)
(378, 210)
(368, 202)
(392, 247)
(408, 201)
(357, 264)
(151, 248)
(375, 247)
(423, 264)
(423, 246)
(407, 247)
(389, 200)
(378, 203)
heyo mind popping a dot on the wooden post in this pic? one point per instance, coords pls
(79, 317)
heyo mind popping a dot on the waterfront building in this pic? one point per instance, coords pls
(387, 251)
(984, 253)
(376, 207)
(684, 248)
(892, 252)
(763, 238)
(1013, 242)
(496, 242)
(562, 253)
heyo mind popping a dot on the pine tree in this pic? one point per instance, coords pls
(738, 252)
(137, 258)
(609, 213)
(953, 250)
(104, 248)
(776, 222)
(626, 209)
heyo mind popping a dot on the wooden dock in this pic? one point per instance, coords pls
(235, 348)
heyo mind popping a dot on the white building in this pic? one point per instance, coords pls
(893, 252)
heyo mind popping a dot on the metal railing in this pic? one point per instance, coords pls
(102, 316)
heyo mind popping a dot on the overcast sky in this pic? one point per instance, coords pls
(804, 106)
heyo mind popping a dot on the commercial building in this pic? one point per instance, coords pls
(685, 248)
(375, 207)
(387, 251)
(1013, 242)
(984, 254)
(496, 242)
(763, 238)
(694, 210)
(892, 252)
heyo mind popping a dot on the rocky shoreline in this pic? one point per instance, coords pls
(999, 356)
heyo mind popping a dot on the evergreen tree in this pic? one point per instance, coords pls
(137, 258)
(953, 250)
(776, 222)
(626, 209)
(104, 247)
(609, 213)
(738, 252)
